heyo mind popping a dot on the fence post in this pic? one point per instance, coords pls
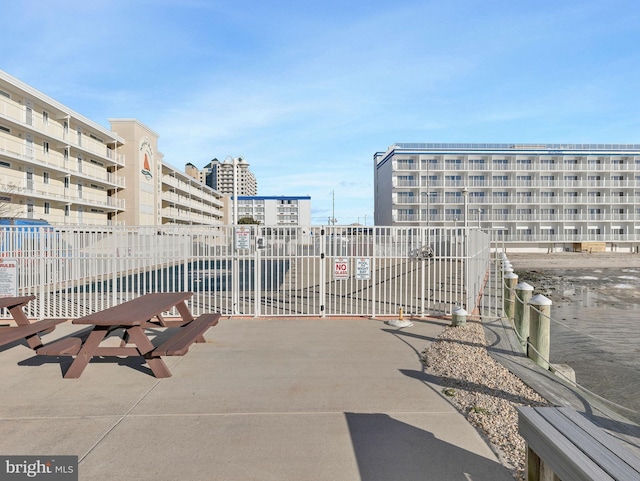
(540, 330)
(510, 281)
(524, 292)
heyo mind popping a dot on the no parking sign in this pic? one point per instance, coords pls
(341, 268)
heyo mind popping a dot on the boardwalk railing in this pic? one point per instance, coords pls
(250, 270)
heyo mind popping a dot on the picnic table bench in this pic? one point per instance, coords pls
(564, 444)
(24, 329)
(133, 317)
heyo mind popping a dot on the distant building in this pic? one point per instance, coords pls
(219, 176)
(276, 210)
(526, 194)
(56, 164)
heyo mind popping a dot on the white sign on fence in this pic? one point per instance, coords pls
(243, 238)
(341, 268)
(363, 269)
(8, 277)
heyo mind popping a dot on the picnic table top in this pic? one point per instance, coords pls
(136, 311)
(15, 301)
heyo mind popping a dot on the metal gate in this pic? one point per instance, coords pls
(251, 270)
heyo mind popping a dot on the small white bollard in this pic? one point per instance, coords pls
(458, 317)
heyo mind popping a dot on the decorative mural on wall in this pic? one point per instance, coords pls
(146, 155)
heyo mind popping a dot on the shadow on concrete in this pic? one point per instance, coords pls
(387, 449)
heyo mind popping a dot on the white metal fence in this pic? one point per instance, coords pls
(250, 270)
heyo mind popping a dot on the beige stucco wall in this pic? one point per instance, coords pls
(143, 172)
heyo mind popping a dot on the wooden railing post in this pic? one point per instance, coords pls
(524, 292)
(540, 330)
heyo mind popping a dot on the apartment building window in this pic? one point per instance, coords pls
(547, 179)
(453, 164)
(547, 213)
(45, 147)
(523, 162)
(476, 195)
(523, 180)
(453, 180)
(5, 94)
(47, 208)
(500, 163)
(405, 197)
(594, 194)
(405, 164)
(66, 182)
(45, 117)
(5, 129)
(67, 210)
(547, 194)
(571, 213)
(405, 180)
(500, 213)
(501, 195)
(524, 195)
(453, 214)
(476, 162)
(452, 196)
(500, 180)
(570, 179)
(476, 180)
(431, 180)
(617, 194)
(45, 177)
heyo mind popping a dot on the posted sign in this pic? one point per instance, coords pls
(8, 277)
(341, 268)
(243, 238)
(363, 269)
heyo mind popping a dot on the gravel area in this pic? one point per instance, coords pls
(482, 389)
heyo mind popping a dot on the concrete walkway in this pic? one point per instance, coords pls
(281, 400)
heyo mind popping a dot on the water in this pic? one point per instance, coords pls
(595, 329)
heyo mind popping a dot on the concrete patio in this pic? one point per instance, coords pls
(277, 399)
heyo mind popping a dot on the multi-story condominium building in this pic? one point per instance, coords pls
(219, 176)
(541, 194)
(276, 210)
(57, 165)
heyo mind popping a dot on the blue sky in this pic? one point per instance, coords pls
(307, 92)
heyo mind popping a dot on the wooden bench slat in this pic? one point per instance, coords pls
(15, 333)
(562, 456)
(597, 451)
(618, 448)
(179, 343)
(68, 346)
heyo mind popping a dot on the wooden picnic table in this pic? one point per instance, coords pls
(133, 317)
(24, 329)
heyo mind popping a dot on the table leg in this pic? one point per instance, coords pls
(20, 317)
(138, 337)
(184, 312)
(78, 365)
